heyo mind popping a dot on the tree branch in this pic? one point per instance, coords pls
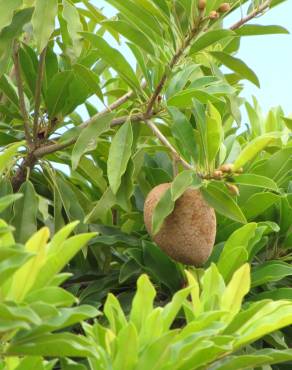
(172, 63)
(251, 15)
(165, 142)
(22, 107)
(38, 90)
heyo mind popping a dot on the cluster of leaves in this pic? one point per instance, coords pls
(173, 116)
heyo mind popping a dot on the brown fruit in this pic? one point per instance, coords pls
(213, 15)
(223, 8)
(202, 4)
(217, 174)
(188, 233)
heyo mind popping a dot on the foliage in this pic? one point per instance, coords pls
(95, 111)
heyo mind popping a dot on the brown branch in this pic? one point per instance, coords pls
(251, 15)
(20, 176)
(22, 107)
(48, 149)
(38, 89)
(164, 141)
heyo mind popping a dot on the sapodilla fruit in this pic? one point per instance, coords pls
(188, 233)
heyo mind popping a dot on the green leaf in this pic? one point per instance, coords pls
(114, 314)
(74, 26)
(25, 212)
(132, 34)
(223, 203)
(258, 203)
(58, 91)
(43, 21)
(7, 10)
(114, 59)
(237, 66)
(270, 271)
(184, 133)
(52, 295)
(253, 148)
(102, 210)
(256, 181)
(8, 155)
(235, 291)
(25, 277)
(259, 29)
(214, 132)
(53, 345)
(89, 134)
(127, 338)
(142, 304)
(288, 122)
(119, 155)
(90, 79)
(7, 200)
(209, 38)
(184, 98)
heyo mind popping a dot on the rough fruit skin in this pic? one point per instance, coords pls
(188, 233)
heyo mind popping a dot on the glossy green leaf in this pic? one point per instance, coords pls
(119, 155)
(223, 203)
(89, 134)
(256, 181)
(114, 58)
(270, 271)
(258, 203)
(43, 26)
(259, 29)
(253, 148)
(209, 38)
(214, 132)
(25, 212)
(184, 133)
(237, 66)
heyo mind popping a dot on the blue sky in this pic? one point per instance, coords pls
(269, 56)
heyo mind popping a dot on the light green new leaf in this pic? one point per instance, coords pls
(223, 203)
(209, 38)
(7, 200)
(26, 276)
(114, 59)
(25, 212)
(256, 181)
(259, 29)
(237, 66)
(53, 345)
(8, 155)
(89, 134)
(74, 25)
(52, 295)
(43, 21)
(114, 314)
(214, 132)
(253, 148)
(58, 260)
(119, 155)
(235, 291)
(142, 304)
(127, 338)
(7, 9)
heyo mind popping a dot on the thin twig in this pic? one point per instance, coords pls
(38, 90)
(22, 107)
(164, 141)
(251, 15)
(172, 63)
